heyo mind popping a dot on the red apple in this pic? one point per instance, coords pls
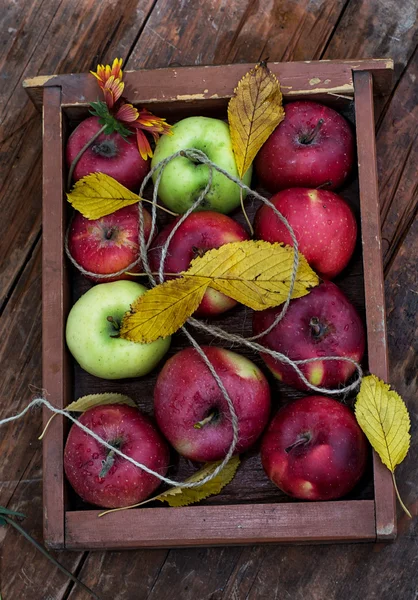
(108, 244)
(314, 449)
(201, 231)
(107, 480)
(323, 323)
(312, 146)
(323, 223)
(109, 154)
(193, 414)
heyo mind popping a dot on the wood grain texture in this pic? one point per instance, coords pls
(218, 525)
(397, 164)
(373, 282)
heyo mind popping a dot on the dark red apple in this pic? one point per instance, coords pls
(109, 244)
(314, 449)
(313, 146)
(193, 414)
(109, 154)
(323, 223)
(201, 231)
(323, 323)
(107, 480)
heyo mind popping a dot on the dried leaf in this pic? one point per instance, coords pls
(86, 402)
(163, 310)
(97, 195)
(184, 496)
(253, 114)
(383, 416)
(178, 496)
(254, 273)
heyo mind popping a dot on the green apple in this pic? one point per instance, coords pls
(92, 336)
(183, 180)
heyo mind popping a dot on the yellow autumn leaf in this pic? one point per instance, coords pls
(254, 273)
(253, 114)
(97, 195)
(86, 402)
(383, 416)
(178, 496)
(163, 310)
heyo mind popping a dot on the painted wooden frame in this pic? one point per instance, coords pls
(198, 90)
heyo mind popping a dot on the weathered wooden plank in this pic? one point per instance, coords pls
(236, 31)
(267, 523)
(373, 280)
(397, 163)
(368, 28)
(20, 350)
(25, 572)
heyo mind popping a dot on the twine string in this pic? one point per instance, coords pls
(200, 157)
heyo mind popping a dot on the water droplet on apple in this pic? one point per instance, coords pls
(346, 327)
(329, 222)
(95, 456)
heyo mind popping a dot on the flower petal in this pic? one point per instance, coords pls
(143, 145)
(112, 90)
(117, 68)
(127, 113)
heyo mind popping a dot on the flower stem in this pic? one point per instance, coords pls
(41, 549)
(80, 154)
(399, 496)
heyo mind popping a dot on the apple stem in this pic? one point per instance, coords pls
(315, 326)
(324, 185)
(107, 464)
(307, 139)
(304, 439)
(114, 323)
(80, 154)
(204, 421)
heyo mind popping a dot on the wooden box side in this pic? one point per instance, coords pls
(295, 522)
(359, 524)
(373, 282)
(55, 369)
(215, 82)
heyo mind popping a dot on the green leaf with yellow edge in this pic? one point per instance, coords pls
(254, 273)
(253, 114)
(184, 496)
(97, 195)
(163, 310)
(178, 496)
(86, 402)
(383, 416)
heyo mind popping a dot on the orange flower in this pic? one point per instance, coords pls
(128, 118)
(105, 72)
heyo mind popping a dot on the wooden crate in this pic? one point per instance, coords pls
(250, 509)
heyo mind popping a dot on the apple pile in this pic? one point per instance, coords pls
(313, 448)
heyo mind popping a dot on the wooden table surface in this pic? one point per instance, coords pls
(59, 36)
